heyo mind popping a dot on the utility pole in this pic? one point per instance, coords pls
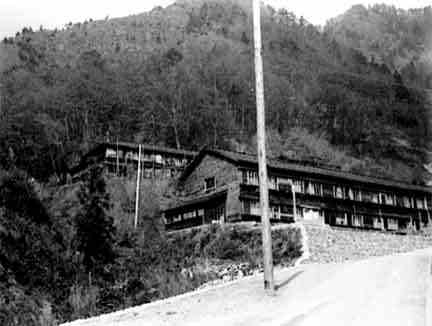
(137, 193)
(262, 162)
(117, 157)
(294, 201)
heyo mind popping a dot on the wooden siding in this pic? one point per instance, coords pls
(224, 172)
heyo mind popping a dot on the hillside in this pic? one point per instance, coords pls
(182, 76)
(401, 39)
(46, 275)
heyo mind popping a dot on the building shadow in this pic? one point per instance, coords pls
(292, 277)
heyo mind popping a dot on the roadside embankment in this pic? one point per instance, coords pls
(331, 244)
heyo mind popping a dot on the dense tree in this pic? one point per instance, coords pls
(95, 230)
(188, 82)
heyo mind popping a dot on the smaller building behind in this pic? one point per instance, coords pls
(121, 159)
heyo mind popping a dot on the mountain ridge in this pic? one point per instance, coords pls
(183, 75)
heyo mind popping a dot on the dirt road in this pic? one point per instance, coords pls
(392, 290)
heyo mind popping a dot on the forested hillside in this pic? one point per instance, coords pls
(401, 39)
(183, 76)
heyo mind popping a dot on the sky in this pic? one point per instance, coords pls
(16, 14)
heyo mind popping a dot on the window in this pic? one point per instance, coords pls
(284, 184)
(110, 153)
(310, 214)
(420, 203)
(406, 201)
(210, 184)
(357, 220)
(246, 207)
(327, 190)
(350, 194)
(215, 214)
(317, 189)
(255, 208)
(392, 224)
(388, 199)
(177, 217)
(158, 158)
(298, 185)
(300, 212)
(313, 188)
(309, 187)
(286, 211)
(377, 222)
(367, 196)
(274, 212)
(157, 172)
(357, 195)
(272, 182)
(403, 224)
(341, 219)
(339, 192)
(424, 218)
(428, 202)
(146, 157)
(189, 215)
(368, 221)
(250, 177)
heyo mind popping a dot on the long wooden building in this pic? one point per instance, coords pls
(121, 159)
(221, 186)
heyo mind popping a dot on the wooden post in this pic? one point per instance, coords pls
(137, 193)
(294, 203)
(117, 158)
(262, 163)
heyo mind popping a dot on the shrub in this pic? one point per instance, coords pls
(83, 300)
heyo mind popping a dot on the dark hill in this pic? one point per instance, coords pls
(183, 76)
(402, 39)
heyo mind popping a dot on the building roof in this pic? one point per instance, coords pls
(149, 148)
(245, 160)
(196, 200)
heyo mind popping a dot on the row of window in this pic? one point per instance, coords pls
(339, 218)
(337, 191)
(209, 215)
(147, 173)
(369, 221)
(196, 213)
(252, 207)
(156, 158)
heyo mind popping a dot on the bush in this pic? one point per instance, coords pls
(83, 300)
(28, 240)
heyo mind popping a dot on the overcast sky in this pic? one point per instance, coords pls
(15, 14)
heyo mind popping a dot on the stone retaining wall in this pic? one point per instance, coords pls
(332, 244)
